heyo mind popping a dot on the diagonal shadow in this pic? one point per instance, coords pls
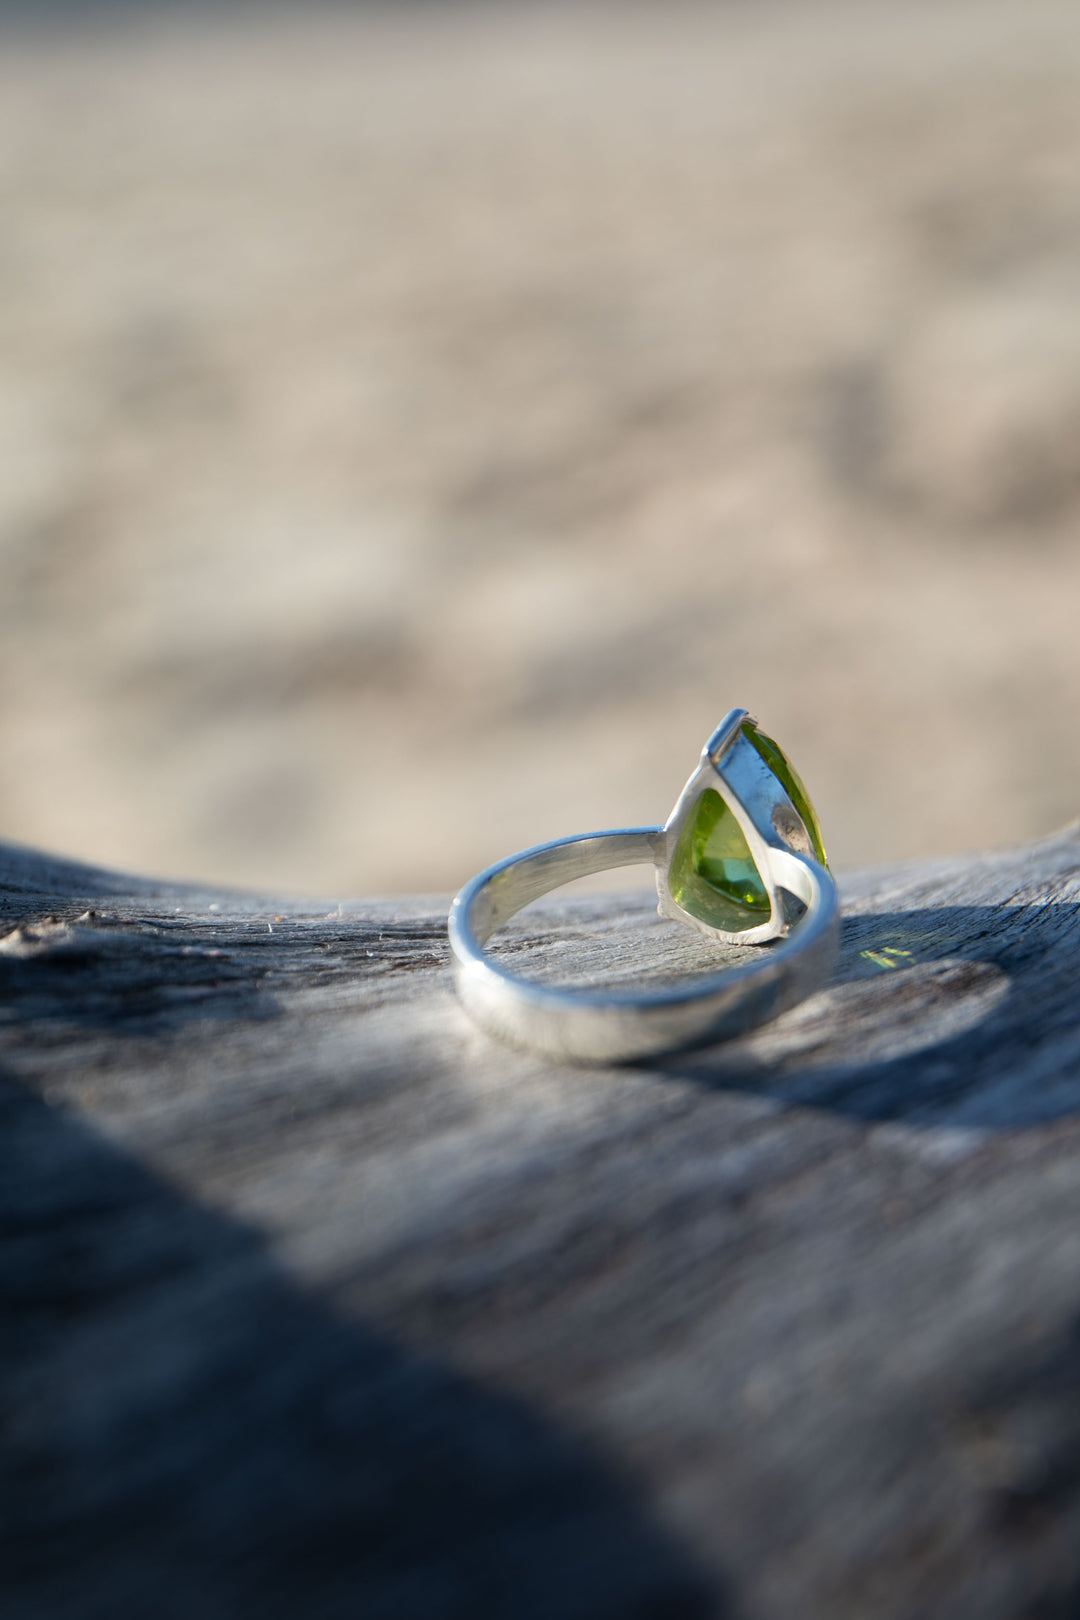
(951, 1015)
(186, 1433)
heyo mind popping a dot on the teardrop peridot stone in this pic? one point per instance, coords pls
(790, 781)
(712, 873)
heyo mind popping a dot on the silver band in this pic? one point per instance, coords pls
(596, 1026)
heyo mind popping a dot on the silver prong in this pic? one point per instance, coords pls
(724, 735)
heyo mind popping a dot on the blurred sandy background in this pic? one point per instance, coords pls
(418, 426)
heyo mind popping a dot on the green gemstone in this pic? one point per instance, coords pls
(712, 873)
(790, 781)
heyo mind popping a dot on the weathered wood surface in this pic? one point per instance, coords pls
(315, 1302)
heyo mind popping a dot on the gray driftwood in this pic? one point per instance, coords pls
(317, 1303)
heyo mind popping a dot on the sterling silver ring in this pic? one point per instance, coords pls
(743, 836)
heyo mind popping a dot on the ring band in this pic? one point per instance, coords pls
(743, 834)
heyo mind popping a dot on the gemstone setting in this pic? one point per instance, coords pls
(729, 813)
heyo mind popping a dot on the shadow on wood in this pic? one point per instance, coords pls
(187, 1432)
(961, 1015)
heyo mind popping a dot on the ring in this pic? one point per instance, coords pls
(739, 855)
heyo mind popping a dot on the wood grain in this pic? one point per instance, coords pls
(316, 1302)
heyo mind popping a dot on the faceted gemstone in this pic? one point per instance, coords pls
(712, 873)
(790, 781)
